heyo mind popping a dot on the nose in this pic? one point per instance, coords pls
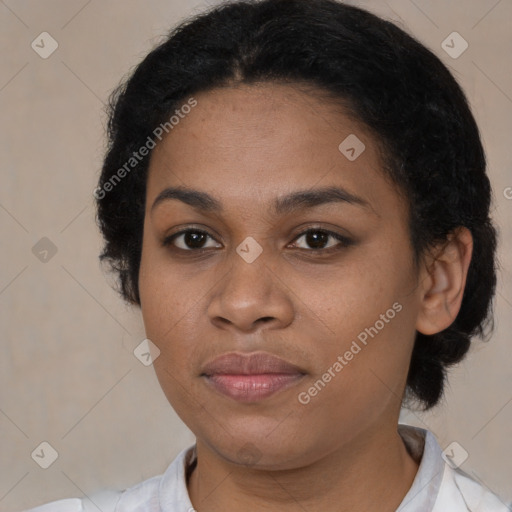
(252, 296)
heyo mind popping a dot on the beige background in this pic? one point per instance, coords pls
(68, 375)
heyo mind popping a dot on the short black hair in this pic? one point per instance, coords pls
(384, 78)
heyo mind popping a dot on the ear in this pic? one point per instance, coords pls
(444, 278)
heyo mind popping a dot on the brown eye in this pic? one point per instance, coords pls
(318, 239)
(189, 240)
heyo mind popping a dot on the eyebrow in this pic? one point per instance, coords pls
(289, 203)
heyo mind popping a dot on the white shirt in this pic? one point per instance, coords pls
(437, 487)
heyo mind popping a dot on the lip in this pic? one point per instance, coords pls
(250, 377)
(255, 363)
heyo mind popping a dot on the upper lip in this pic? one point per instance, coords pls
(249, 364)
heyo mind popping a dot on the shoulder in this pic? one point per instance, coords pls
(163, 492)
(69, 505)
(105, 500)
(458, 488)
(143, 496)
(439, 485)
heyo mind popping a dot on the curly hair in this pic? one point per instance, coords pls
(384, 78)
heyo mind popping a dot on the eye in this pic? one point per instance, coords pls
(190, 240)
(318, 239)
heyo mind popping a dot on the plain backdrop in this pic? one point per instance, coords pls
(68, 375)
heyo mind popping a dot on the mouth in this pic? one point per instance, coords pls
(250, 377)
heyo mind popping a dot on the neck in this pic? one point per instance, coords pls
(374, 468)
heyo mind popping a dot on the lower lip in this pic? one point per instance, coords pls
(251, 388)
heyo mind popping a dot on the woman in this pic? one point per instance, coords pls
(295, 195)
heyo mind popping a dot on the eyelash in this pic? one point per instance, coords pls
(344, 241)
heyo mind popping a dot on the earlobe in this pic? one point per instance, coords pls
(442, 288)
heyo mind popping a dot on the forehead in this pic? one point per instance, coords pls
(251, 143)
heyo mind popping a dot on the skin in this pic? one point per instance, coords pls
(247, 146)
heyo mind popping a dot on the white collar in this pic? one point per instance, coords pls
(420, 443)
(437, 487)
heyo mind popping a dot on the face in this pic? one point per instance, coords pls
(294, 248)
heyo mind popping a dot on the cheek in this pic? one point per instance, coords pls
(173, 311)
(354, 295)
(163, 295)
(168, 309)
(162, 306)
(371, 314)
